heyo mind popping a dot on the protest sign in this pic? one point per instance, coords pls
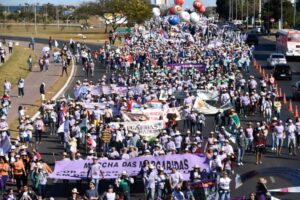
(154, 104)
(147, 129)
(78, 169)
(96, 90)
(175, 111)
(138, 90)
(153, 114)
(127, 116)
(179, 94)
(121, 91)
(163, 95)
(203, 107)
(198, 66)
(207, 95)
(106, 89)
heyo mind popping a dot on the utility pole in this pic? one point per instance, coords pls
(295, 12)
(259, 12)
(247, 13)
(57, 16)
(35, 28)
(242, 10)
(236, 9)
(254, 12)
(281, 14)
(229, 10)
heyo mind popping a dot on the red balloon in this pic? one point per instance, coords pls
(202, 9)
(172, 10)
(179, 2)
(197, 5)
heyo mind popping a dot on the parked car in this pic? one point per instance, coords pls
(252, 39)
(275, 59)
(296, 90)
(282, 71)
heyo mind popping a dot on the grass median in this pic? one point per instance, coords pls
(63, 33)
(16, 66)
(33, 109)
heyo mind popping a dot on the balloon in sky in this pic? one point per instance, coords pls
(185, 16)
(194, 17)
(172, 10)
(178, 9)
(156, 12)
(174, 19)
(179, 2)
(202, 9)
(197, 5)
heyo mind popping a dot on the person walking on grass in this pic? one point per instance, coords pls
(42, 92)
(21, 83)
(29, 62)
(64, 67)
(10, 46)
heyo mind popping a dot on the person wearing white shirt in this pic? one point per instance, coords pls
(224, 187)
(227, 148)
(175, 178)
(291, 137)
(150, 178)
(95, 172)
(7, 87)
(21, 87)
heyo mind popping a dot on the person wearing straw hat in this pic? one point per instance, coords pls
(161, 181)
(123, 183)
(39, 129)
(95, 173)
(150, 178)
(75, 195)
(224, 187)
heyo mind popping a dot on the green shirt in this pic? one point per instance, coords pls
(124, 185)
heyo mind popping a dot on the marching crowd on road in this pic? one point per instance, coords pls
(181, 74)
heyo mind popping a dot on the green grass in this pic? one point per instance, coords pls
(16, 66)
(63, 33)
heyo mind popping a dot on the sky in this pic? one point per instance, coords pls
(188, 3)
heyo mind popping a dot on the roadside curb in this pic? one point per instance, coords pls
(60, 92)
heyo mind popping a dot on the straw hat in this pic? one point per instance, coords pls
(75, 191)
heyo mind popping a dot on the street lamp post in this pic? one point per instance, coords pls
(68, 20)
(295, 11)
(281, 14)
(35, 28)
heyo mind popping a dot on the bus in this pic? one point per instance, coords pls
(288, 42)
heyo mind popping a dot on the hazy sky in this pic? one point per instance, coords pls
(188, 3)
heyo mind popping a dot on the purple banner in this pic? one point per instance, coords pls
(184, 163)
(198, 66)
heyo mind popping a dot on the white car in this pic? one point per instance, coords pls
(275, 59)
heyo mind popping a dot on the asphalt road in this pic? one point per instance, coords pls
(280, 172)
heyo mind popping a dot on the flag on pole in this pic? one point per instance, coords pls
(236, 120)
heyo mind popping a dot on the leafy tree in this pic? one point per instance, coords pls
(137, 11)
(223, 8)
(273, 10)
(116, 12)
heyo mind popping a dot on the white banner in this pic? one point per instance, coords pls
(147, 129)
